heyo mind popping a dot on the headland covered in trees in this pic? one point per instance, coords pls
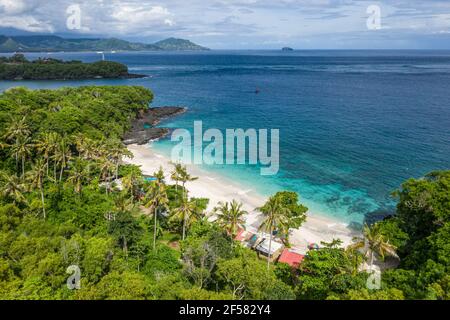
(67, 199)
(17, 67)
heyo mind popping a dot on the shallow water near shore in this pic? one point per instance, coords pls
(353, 124)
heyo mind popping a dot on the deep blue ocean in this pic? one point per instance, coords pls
(353, 124)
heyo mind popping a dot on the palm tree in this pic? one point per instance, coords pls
(275, 216)
(186, 177)
(374, 242)
(116, 152)
(132, 184)
(21, 150)
(159, 231)
(86, 147)
(156, 199)
(175, 175)
(230, 216)
(79, 139)
(36, 178)
(159, 175)
(106, 167)
(184, 213)
(355, 258)
(3, 145)
(122, 203)
(62, 156)
(12, 187)
(198, 213)
(78, 173)
(49, 143)
(17, 129)
(101, 149)
(46, 146)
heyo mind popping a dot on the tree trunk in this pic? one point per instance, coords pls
(23, 167)
(371, 259)
(125, 246)
(270, 249)
(154, 228)
(63, 164)
(43, 201)
(61, 172)
(184, 226)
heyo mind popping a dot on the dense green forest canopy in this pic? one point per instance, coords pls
(60, 206)
(17, 67)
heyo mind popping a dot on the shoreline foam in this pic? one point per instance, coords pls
(217, 188)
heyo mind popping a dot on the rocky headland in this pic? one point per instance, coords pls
(143, 128)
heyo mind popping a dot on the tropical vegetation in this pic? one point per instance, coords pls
(67, 199)
(17, 67)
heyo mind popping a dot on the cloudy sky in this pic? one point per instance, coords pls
(239, 24)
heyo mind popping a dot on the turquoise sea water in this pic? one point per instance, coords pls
(353, 124)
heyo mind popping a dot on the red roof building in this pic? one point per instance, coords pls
(240, 235)
(291, 258)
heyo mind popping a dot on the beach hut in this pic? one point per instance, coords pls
(275, 248)
(247, 238)
(291, 258)
(254, 240)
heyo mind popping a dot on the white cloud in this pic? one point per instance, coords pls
(127, 17)
(258, 23)
(18, 14)
(13, 7)
(139, 14)
(27, 23)
(169, 22)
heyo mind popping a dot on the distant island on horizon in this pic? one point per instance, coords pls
(18, 67)
(51, 43)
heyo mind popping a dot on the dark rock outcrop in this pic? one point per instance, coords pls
(143, 127)
(144, 136)
(155, 115)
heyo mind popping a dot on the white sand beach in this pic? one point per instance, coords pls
(317, 228)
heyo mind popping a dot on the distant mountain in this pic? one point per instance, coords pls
(173, 44)
(44, 43)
